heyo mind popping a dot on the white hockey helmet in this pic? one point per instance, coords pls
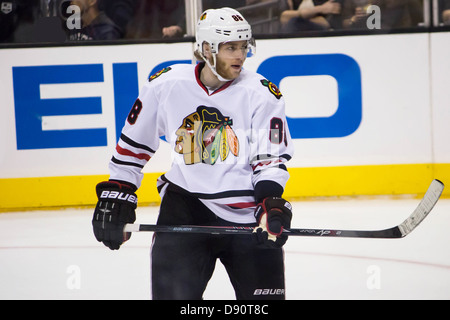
(217, 26)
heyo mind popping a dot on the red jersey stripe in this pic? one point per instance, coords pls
(125, 152)
(242, 205)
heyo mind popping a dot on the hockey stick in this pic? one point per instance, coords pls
(425, 206)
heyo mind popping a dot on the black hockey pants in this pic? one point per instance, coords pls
(182, 264)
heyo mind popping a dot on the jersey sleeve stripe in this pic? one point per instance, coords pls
(135, 144)
(125, 163)
(266, 163)
(267, 157)
(281, 166)
(125, 152)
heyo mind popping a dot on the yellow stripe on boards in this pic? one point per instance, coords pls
(32, 193)
(72, 191)
(364, 180)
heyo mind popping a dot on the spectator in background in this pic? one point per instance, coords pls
(254, 16)
(155, 19)
(400, 13)
(445, 9)
(394, 13)
(28, 21)
(355, 14)
(263, 15)
(11, 14)
(121, 12)
(95, 24)
(213, 4)
(310, 15)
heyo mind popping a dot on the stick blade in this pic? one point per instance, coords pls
(425, 206)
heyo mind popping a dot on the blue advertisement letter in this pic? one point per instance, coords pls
(30, 108)
(347, 73)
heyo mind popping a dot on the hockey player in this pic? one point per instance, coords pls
(227, 128)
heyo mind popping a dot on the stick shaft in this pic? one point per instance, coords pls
(419, 214)
(388, 233)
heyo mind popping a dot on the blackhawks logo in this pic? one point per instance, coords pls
(272, 88)
(156, 75)
(205, 136)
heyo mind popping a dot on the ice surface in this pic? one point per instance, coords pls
(54, 255)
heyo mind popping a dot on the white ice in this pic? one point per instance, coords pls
(54, 255)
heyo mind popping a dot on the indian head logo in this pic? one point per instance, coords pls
(205, 136)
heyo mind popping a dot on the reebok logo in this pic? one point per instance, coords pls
(118, 195)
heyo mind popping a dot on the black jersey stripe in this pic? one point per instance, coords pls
(279, 166)
(265, 157)
(208, 196)
(125, 163)
(135, 144)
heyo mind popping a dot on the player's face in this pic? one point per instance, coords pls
(231, 58)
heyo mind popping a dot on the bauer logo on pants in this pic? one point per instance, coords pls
(205, 136)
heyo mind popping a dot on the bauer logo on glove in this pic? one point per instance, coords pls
(116, 207)
(106, 194)
(273, 215)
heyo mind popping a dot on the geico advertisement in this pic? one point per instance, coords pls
(349, 101)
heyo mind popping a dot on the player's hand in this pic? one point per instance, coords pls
(273, 215)
(115, 207)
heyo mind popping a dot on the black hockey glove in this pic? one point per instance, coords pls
(273, 215)
(116, 207)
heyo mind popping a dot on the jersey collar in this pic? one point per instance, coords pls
(198, 70)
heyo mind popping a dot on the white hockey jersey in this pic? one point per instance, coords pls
(223, 142)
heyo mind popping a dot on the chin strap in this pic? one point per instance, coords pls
(213, 68)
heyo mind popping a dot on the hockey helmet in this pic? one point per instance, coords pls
(217, 26)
